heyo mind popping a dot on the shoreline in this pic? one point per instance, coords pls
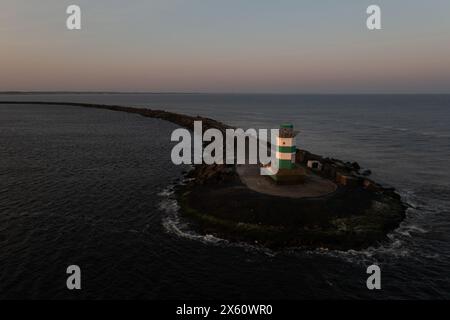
(219, 203)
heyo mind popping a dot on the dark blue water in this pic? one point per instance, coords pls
(92, 187)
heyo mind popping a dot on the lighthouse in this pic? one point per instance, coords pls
(286, 147)
(288, 171)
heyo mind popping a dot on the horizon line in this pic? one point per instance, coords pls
(17, 92)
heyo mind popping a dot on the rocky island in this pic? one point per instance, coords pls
(355, 215)
(338, 206)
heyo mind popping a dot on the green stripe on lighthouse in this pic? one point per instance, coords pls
(287, 149)
(285, 164)
(285, 155)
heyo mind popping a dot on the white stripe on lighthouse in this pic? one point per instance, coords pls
(285, 142)
(284, 156)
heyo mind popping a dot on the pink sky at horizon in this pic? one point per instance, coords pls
(201, 48)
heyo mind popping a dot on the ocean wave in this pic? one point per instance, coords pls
(174, 224)
(399, 243)
(435, 134)
(432, 134)
(406, 229)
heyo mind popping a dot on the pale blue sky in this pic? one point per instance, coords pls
(226, 46)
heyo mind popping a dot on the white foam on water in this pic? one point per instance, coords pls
(166, 192)
(173, 223)
(176, 225)
(397, 244)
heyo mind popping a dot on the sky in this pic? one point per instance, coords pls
(226, 46)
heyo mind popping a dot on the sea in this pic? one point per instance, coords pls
(94, 188)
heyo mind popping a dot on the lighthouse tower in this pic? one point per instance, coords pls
(286, 147)
(288, 171)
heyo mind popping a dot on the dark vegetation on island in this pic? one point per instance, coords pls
(359, 214)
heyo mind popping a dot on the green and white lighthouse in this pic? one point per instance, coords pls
(286, 148)
(286, 171)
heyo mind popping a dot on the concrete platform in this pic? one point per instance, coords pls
(313, 185)
(295, 175)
